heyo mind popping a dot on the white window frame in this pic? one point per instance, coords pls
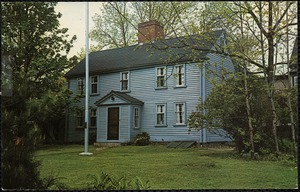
(180, 115)
(182, 75)
(136, 117)
(295, 81)
(80, 119)
(93, 116)
(94, 83)
(80, 83)
(161, 111)
(123, 80)
(159, 76)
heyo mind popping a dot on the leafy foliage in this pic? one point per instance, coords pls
(108, 182)
(225, 108)
(116, 26)
(37, 50)
(142, 139)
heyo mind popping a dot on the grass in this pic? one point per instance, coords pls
(193, 168)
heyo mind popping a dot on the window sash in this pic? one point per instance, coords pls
(160, 77)
(124, 81)
(93, 118)
(179, 111)
(136, 118)
(80, 119)
(80, 86)
(94, 83)
(160, 114)
(179, 76)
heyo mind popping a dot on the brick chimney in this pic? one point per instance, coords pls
(150, 31)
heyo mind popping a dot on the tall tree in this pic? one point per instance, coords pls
(263, 23)
(37, 50)
(116, 26)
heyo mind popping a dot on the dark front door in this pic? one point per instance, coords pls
(113, 124)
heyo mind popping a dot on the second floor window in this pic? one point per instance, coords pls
(80, 86)
(94, 85)
(161, 77)
(124, 81)
(179, 75)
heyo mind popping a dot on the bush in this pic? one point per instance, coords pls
(142, 139)
(109, 182)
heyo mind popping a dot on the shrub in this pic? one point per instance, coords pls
(109, 182)
(142, 139)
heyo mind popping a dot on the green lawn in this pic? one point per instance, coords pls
(193, 168)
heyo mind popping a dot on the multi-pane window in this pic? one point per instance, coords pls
(94, 85)
(179, 113)
(124, 81)
(136, 118)
(80, 86)
(80, 118)
(93, 117)
(179, 75)
(295, 81)
(161, 77)
(160, 114)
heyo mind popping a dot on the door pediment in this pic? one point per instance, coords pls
(118, 98)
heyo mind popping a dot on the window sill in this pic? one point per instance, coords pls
(94, 94)
(125, 91)
(160, 88)
(161, 126)
(179, 125)
(181, 86)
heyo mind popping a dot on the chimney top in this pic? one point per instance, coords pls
(150, 31)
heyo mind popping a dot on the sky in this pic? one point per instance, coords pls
(74, 18)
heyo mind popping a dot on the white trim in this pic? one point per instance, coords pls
(164, 112)
(128, 81)
(91, 83)
(176, 77)
(164, 75)
(183, 111)
(139, 117)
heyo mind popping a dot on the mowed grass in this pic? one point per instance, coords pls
(193, 168)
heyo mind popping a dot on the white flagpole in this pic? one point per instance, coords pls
(86, 129)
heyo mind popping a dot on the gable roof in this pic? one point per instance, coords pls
(127, 98)
(165, 51)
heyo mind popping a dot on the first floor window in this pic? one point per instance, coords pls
(161, 114)
(124, 81)
(93, 117)
(80, 118)
(94, 85)
(179, 113)
(295, 80)
(136, 118)
(160, 77)
(80, 86)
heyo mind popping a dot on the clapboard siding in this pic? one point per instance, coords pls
(142, 84)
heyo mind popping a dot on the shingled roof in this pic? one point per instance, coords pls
(167, 51)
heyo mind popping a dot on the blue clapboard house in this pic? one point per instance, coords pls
(149, 87)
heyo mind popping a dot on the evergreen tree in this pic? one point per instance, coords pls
(37, 50)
